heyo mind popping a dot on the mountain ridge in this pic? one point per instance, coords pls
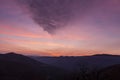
(73, 62)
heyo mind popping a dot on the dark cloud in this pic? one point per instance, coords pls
(50, 14)
(54, 14)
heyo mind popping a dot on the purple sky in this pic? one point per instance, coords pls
(60, 27)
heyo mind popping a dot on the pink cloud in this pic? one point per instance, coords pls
(20, 31)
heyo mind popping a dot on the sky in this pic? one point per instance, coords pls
(60, 27)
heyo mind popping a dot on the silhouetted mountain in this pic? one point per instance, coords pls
(18, 67)
(20, 59)
(105, 55)
(73, 63)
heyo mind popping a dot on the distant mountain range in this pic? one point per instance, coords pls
(73, 63)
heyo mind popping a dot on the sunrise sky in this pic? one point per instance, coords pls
(60, 27)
